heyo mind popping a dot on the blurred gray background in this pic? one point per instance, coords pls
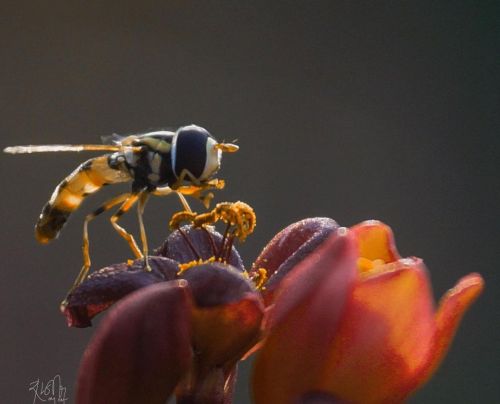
(352, 110)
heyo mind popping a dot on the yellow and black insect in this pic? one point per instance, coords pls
(159, 163)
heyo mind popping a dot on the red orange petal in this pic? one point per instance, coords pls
(451, 309)
(375, 241)
(304, 320)
(384, 337)
(223, 334)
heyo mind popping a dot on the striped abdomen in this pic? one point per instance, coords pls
(87, 179)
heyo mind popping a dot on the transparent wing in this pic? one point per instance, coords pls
(114, 139)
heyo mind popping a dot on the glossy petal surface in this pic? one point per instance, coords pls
(140, 351)
(375, 241)
(305, 318)
(452, 307)
(177, 248)
(385, 338)
(289, 247)
(108, 285)
(227, 313)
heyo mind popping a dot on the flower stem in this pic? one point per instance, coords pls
(213, 386)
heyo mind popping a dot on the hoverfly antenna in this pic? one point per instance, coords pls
(226, 147)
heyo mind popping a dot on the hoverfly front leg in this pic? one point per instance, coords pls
(182, 177)
(164, 191)
(196, 191)
(184, 202)
(196, 187)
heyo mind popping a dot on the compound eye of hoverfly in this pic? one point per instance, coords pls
(192, 150)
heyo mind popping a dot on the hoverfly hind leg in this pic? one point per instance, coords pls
(127, 204)
(85, 243)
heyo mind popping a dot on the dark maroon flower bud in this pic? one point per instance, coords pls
(200, 326)
(192, 244)
(227, 313)
(141, 350)
(289, 247)
(108, 285)
(215, 284)
(200, 318)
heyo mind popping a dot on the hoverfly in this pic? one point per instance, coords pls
(159, 163)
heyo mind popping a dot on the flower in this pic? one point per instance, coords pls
(108, 285)
(352, 320)
(336, 315)
(170, 330)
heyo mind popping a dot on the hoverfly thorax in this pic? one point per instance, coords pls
(151, 166)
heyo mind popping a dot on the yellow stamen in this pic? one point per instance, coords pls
(366, 265)
(260, 278)
(184, 267)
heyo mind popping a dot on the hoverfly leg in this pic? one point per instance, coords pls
(129, 202)
(186, 173)
(140, 210)
(85, 244)
(165, 191)
(197, 190)
(162, 191)
(184, 202)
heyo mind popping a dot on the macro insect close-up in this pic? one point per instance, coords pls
(158, 163)
(249, 202)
